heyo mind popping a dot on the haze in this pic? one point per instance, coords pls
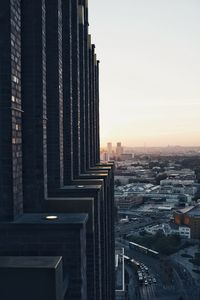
(150, 70)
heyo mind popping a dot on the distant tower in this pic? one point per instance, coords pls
(119, 149)
(109, 150)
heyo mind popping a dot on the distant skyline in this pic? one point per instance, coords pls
(126, 147)
(149, 71)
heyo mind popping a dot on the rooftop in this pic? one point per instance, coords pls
(191, 210)
(195, 211)
(30, 261)
(81, 187)
(186, 209)
(52, 218)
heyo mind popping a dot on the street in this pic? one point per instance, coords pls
(181, 287)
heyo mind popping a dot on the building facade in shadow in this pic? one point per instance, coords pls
(56, 198)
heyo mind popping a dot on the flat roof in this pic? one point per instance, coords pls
(191, 210)
(82, 186)
(30, 262)
(70, 198)
(41, 218)
(186, 209)
(165, 207)
(195, 211)
(92, 174)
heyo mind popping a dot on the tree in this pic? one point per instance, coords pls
(160, 177)
(131, 180)
(118, 182)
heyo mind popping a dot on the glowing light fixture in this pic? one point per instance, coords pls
(51, 217)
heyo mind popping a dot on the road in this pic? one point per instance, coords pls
(148, 292)
(127, 228)
(182, 286)
(137, 292)
(187, 282)
(132, 286)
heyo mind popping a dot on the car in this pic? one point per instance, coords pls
(154, 280)
(146, 282)
(140, 278)
(149, 280)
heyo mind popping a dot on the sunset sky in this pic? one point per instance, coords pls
(150, 70)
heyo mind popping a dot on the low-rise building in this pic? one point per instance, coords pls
(185, 232)
(169, 229)
(190, 217)
(178, 186)
(128, 202)
(126, 156)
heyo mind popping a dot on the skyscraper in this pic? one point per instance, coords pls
(109, 150)
(119, 149)
(56, 198)
(11, 204)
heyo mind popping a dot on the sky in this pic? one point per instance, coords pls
(149, 52)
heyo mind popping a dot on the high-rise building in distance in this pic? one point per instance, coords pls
(57, 199)
(109, 150)
(119, 149)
